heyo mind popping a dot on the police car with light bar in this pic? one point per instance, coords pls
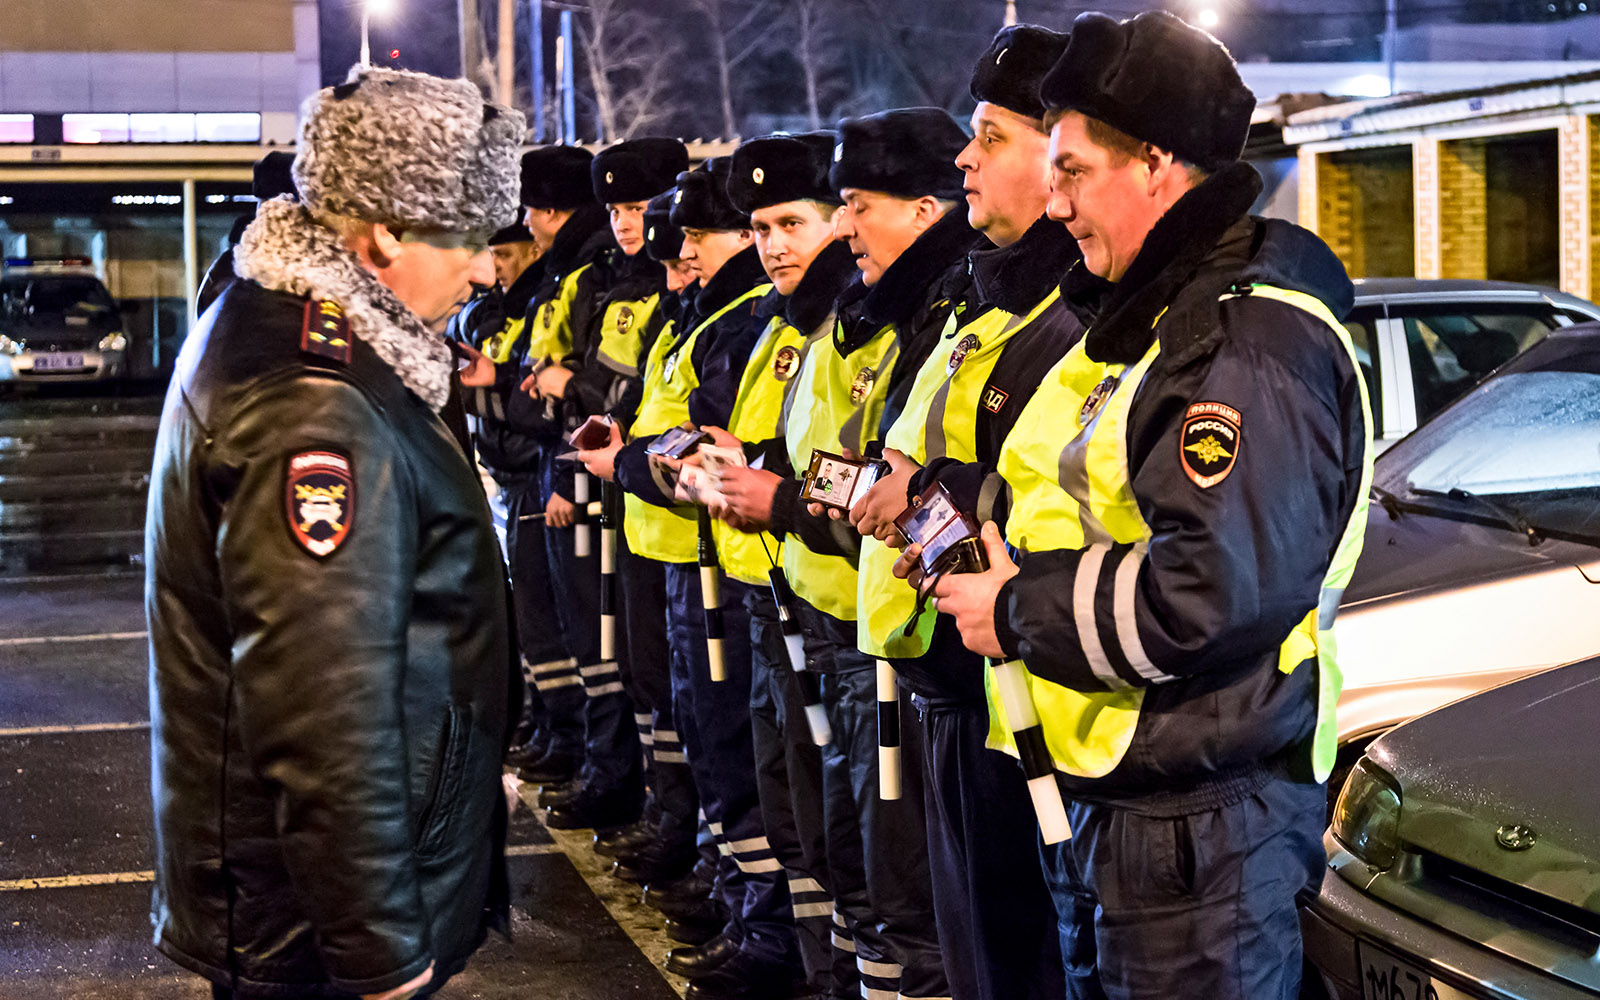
(58, 323)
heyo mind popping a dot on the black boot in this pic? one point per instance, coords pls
(693, 932)
(555, 767)
(689, 890)
(551, 796)
(741, 977)
(528, 751)
(657, 863)
(692, 963)
(591, 809)
(625, 842)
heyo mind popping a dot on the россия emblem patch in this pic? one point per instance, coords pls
(1208, 447)
(320, 501)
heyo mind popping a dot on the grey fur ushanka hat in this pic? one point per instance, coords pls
(409, 151)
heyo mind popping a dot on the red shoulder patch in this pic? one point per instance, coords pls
(326, 331)
(320, 501)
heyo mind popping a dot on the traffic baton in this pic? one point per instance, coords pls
(580, 498)
(1011, 685)
(888, 732)
(810, 688)
(711, 597)
(608, 571)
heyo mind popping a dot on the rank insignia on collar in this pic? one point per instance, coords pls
(965, 346)
(1208, 447)
(862, 384)
(994, 400)
(325, 331)
(785, 362)
(624, 319)
(1096, 399)
(320, 501)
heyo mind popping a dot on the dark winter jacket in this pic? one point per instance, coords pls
(510, 454)
(330, 668)
(1230, 568)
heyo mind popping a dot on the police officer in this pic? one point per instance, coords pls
(624, 325)
(269, 179)
(328, 626)
(1175, 589)
(896, 173)
(994, 913)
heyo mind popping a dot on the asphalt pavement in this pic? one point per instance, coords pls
(75, 828)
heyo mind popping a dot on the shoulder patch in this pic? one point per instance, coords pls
(325, 332)
(994, 400)
(1209, 445)
(320, 501)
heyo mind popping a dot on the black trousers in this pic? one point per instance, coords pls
(877, 850)
(674, 805)
(996, 918)
(547, 664)
(1195, 905)
(789, 782)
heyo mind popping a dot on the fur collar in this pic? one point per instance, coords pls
(1192, 233)
(579, 241)
(1016, 278)
(285, 250)
(521, 291)
(634, 278)
(903, 288)
(813, 298)
(737, 275)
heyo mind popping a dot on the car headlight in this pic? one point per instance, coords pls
(114, 342)
(1366, 820)
(9, 346)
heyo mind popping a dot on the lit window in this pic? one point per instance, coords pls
(94, 128)
(161, 128)
(16, 128)
(228, 127)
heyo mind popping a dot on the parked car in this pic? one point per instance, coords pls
(58, 323)
(1482, 554)
(1422, 343)
(1464, 854)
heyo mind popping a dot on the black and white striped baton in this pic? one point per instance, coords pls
(711, 597)
(810, 687)
(1011, 686)
(580, 527)
(609, 504)
(888, 732)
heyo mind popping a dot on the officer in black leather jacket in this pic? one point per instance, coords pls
(328, 628)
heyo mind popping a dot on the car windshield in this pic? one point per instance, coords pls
(1523, 451)
(64, 295)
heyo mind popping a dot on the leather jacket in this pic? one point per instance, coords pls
(329, 684)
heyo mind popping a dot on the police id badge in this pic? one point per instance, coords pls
(949, 538)
(320, 501)
(838, 482)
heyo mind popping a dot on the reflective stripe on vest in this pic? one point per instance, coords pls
(774, 362)
(499, 346)
(838, 401)
(622, 333)
(551, 336)
(940, 420)
(1080, 497)
(669, 534)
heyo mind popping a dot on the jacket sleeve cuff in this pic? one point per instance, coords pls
(383, 983)
(1010, 641)
(785, 503)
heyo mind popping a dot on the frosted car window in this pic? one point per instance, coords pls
(1522, 433)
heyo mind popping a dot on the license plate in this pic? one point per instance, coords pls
(56, 362)
(1385, 977)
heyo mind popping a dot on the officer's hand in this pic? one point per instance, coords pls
(909, 566)
(405, 991)
(749, 493)
(970, 597)
(602, 462)
(558, 512)
(722, 439)
(874, 513)
(552, 381)
(479, 372)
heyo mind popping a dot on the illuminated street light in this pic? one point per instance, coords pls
(1208, 18)
(368, 8)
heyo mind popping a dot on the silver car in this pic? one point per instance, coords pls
(58, 323)
(1464, 855)
(1482, 556)
(1422, 343)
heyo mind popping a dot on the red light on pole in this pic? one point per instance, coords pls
(394, 53)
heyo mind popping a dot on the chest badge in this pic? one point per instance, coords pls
(862, 384)
(547, 314)
(784, 363)
(325, 331)
(669, 367)
(320, 501)
(1209, 444)
(624, 319)
(1097, 398)
(965, 346)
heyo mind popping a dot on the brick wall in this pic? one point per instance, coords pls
(1364, 209)
(1463, 209)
